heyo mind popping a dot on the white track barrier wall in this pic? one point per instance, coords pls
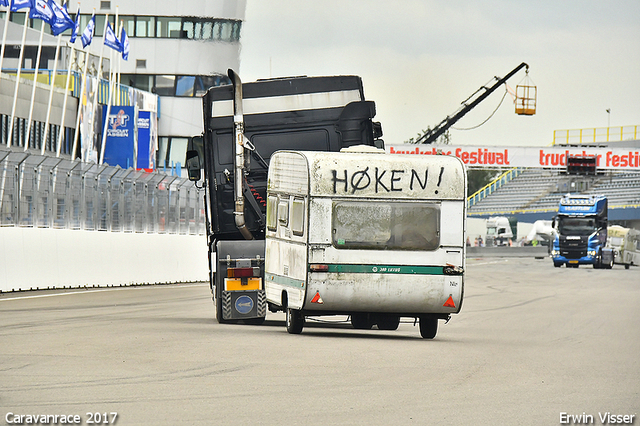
(44, 258)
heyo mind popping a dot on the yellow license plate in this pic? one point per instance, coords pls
(573, 261)
(236, 284)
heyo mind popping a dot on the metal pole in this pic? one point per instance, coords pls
(98, 78)
(33, 90)
(53, 81)
(15, 93)
(4, 34)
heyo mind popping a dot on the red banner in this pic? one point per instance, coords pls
(547, 157)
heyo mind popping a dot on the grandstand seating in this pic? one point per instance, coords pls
(537, 190)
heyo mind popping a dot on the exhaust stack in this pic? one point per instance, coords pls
(239, 165)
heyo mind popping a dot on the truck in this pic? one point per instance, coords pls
(366, 234)
(626, 244)
(581, 232)
(243, 126)
(498, 231)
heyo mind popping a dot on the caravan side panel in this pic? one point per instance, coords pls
(287, 230)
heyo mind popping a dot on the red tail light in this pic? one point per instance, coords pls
(318, 268)
(243, 272)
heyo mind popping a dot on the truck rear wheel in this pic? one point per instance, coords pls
(428, 327)
(361, 321)
(295, 321)
(388, 322)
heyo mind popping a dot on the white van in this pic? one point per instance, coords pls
(372, 235)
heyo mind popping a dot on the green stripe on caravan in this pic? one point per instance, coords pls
(386, 269)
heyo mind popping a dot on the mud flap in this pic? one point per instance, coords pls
(237, 305)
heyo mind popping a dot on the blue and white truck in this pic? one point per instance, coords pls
(581, 232)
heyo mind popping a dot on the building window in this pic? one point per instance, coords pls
(169, 27)
(145, 26)
(165, 85)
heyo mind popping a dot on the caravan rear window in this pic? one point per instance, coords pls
(385, 226)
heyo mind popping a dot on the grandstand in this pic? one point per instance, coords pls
(534, 194)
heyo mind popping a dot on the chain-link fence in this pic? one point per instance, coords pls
(49, 192)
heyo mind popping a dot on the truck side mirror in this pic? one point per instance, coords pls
(193, 165)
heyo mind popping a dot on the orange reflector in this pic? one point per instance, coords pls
(449, 303)
(317, 299)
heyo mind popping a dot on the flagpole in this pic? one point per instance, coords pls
(66, 96)
(52, 84)
(105, 126)
(64, 103)
(83, 85)
(81, 97)
(33, 90)
(95, 92)
(17, 85)
(4, 34)
(120, 67)
(106, 114)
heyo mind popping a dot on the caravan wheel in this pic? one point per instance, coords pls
(295, 321)
(428, 327)
(388, 322)
(361, 321)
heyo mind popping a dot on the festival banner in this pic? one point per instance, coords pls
(607, 158)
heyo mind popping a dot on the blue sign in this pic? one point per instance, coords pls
(119, 145)
(145, 149)
(244, 304)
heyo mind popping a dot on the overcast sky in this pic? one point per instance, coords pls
(419, 59)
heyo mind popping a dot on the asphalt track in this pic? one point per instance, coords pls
(532, 344)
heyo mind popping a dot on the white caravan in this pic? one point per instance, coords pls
(372, 235)
(626, 243)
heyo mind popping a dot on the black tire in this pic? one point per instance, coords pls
(610, 264)
(598, 264)
(428, 327)
(388, 322)
(295, 321)
(361, 321)
(626, 266)
(557, 265)
(218, 303)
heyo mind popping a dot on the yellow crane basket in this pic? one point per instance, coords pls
(526, 95)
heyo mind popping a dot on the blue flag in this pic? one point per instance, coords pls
(87, 34)
(61, 20)
(76, 28)
(17, 5)
(124, 41)
(111, 40)
(42, 9)
(4, 2)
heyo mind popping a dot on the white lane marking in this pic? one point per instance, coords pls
(92, 290)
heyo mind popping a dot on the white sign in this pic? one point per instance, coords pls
(548, 157)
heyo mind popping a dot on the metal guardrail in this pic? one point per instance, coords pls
(595, 135)
(49, 192)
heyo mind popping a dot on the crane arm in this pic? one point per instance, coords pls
(436, 132)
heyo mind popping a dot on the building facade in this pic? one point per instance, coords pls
(177, 51)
